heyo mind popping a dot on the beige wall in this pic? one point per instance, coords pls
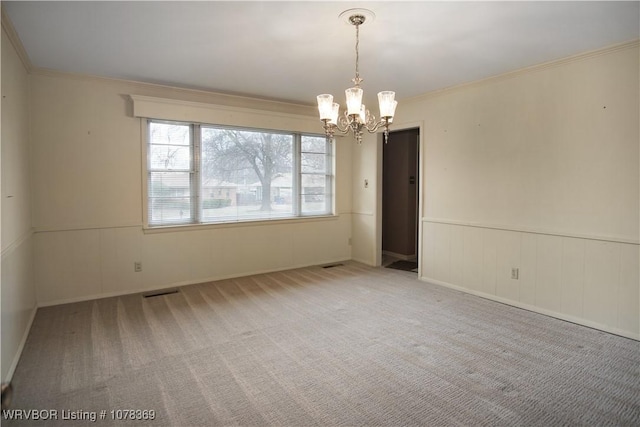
(538, 170)
(365, 212)
(18, 289)
(554, 149)
(87, 182)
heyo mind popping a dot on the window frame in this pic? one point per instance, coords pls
(196, 220)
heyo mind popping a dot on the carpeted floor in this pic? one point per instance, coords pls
(345, 346)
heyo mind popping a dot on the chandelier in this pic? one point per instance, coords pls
(356, 117)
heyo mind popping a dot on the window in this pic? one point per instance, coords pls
(198, 174)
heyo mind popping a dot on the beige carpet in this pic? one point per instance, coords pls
(345, 346)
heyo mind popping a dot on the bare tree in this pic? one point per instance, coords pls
(230, 155)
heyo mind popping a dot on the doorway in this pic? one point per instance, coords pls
(400, 190)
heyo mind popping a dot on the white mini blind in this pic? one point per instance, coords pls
(170, 173)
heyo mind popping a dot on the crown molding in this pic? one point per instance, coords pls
(198, 95)
(633, 44)
(13, 37)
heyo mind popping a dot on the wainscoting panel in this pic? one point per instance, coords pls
(472, 258)
(629, 296)
(18, 301)
(527, 274)
(548, 273)
(76, 265)
(508, 255)
(119, 249)
(602, 282)
(489, 262)
(594, 282)
(573, 276)
(67, 264)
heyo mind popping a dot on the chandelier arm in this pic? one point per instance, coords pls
(383, 123)
(370, 119)
(344, 123)
(375, 127)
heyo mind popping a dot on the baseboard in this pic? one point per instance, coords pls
(183, 283)
(23, 341)
(533, 308)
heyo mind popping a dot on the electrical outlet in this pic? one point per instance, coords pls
(137, 266)
(515, 272)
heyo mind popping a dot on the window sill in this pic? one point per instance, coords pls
(233, 224)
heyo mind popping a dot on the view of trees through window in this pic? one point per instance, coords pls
(203, 174)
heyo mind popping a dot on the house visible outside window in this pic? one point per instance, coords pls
(199, 174)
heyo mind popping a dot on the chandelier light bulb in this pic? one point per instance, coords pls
(325, 106)
(387, 103)
(363, 114)
(335, 111)
(354, 100)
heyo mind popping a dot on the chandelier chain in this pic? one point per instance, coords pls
(357, 80)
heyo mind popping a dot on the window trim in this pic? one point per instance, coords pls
(242, 223)
(297, 215)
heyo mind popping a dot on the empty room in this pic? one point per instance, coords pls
(200, 226)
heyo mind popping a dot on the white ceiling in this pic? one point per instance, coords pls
(295, 50)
